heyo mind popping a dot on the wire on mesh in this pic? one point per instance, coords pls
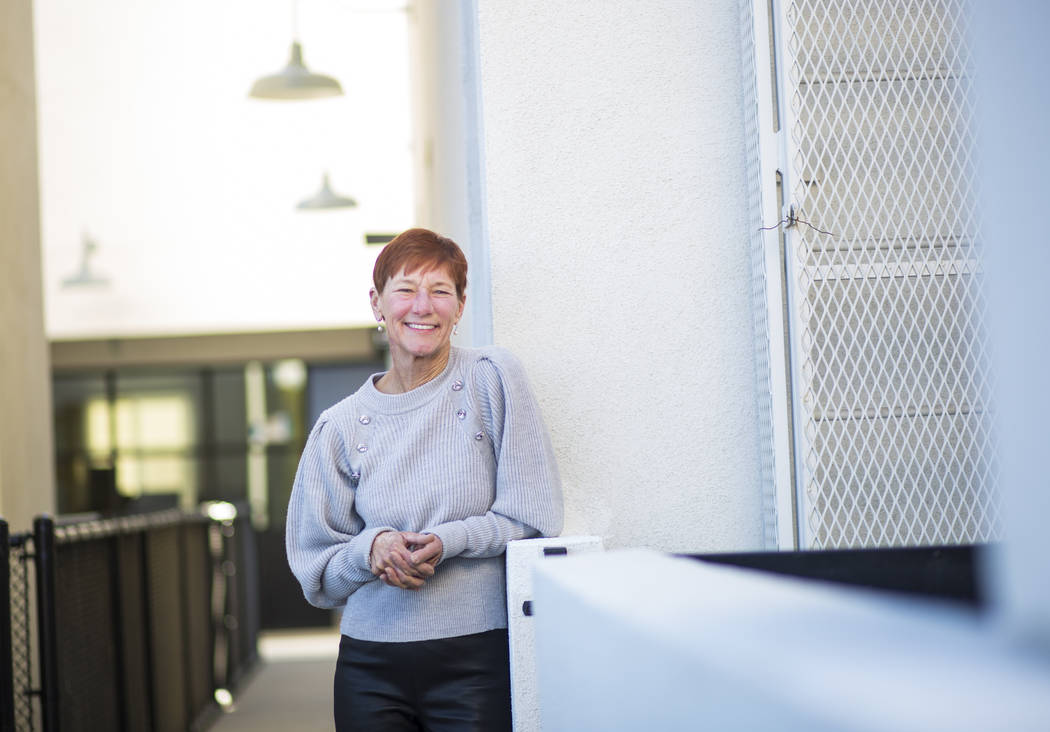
(791, 219)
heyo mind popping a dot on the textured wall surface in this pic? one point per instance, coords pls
(26, 473)
(614, 165)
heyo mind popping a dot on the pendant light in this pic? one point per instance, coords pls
(295, 81)
(326, 198)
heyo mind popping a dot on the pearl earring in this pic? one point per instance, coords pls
(380, 326)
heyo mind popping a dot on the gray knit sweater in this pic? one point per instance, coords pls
(465, 456)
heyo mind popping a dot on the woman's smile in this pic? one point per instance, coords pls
(419, 309)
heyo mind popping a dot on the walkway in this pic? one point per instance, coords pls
(291, 691)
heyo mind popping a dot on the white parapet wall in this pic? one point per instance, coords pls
(638, 640)
(522, 558)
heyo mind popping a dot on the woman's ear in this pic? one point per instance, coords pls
(373, 296)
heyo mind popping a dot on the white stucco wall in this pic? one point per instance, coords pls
(614, 181)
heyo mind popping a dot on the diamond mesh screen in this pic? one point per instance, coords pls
(892, 385)
(23, 608)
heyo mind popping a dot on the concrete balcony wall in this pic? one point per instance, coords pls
(26, 470)
(634, 640)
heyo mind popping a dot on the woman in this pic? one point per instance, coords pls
(406, 496)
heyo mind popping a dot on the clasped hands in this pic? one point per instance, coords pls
(404, 559)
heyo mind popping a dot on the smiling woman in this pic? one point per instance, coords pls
(406, 495)
(420, 280)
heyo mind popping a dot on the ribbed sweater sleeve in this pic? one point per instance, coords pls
(528, 489)
(326, 540)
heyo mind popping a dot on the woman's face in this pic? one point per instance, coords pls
(419, 311)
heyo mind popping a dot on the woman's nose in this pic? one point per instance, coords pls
(421, 303)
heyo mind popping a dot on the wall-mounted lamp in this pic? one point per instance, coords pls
(84, 276)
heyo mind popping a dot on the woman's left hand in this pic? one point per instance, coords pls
(407, 559)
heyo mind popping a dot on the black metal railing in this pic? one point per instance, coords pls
(130, 623)
(7, 660)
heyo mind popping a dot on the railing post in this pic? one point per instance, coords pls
(7, 674)
(44, 547)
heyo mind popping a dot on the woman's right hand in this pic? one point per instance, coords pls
(391, 559)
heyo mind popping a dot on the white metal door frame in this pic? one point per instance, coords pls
(775, 120)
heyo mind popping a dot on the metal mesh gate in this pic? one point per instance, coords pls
(22, 608)
(891, 378)
(125, 623)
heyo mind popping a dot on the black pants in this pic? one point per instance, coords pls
(444, 685)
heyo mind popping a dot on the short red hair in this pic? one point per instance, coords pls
(420, 249)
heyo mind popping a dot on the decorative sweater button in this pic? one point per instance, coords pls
(479, 437)
(461, 413)
(364, 419)
(457, 385)
(362, 448)
(355, 475)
